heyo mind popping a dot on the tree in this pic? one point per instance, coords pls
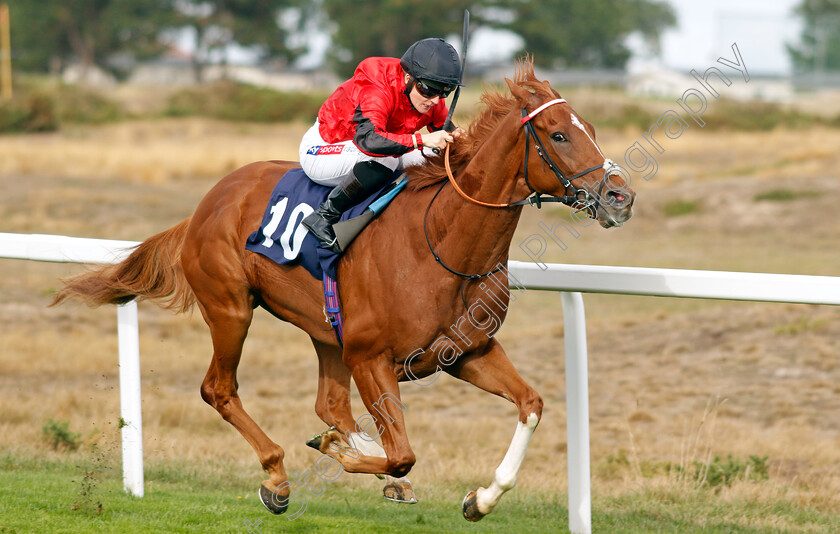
(218, 23)
(49, 34)
(819, 49)
(387, 27)
(584, 33)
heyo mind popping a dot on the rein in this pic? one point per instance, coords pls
(465, 276)
(579, 198)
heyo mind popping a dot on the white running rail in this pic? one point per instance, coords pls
(55, 248)
(570, 280)
(574, 279)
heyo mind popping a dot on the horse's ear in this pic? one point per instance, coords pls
(521, 94)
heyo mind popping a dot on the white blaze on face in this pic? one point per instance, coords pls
(576, 122)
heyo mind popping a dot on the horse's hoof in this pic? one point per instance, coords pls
(316, 440)
(470, 507)
(399, 491)
(276, 504)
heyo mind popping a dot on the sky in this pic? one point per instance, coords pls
(706, 30)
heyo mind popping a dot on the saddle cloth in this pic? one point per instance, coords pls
(284, 240)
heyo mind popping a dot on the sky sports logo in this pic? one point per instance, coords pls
(324, 150)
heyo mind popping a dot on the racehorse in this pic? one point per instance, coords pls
(428, 251)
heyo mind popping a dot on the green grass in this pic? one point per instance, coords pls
(699, 512)
(784, 195)
(82, 493)
(60, 436)
(678, 208)
(805, 324)
(81, 496)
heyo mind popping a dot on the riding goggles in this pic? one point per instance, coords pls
(429, 89)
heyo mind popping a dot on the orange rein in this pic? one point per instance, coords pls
(461, 191)
(525, 119)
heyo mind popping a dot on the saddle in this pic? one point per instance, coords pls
(282, 238)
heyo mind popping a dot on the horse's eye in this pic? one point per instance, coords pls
(559, 137)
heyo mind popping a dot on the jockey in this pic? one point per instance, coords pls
(366, 128)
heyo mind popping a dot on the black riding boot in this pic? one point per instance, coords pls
(367, 176)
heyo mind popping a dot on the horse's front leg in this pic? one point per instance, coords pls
(492, 371)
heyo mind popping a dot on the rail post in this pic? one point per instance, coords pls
(577, 414)
(131, 416)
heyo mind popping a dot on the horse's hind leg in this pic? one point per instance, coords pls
(228, 314)
(333, 407)
(492, 371)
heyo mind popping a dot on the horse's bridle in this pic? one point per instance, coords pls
(580, 199)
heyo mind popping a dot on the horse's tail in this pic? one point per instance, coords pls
(152, 271)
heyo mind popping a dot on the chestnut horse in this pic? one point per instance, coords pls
(428, 251)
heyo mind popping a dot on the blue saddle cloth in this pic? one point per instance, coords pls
(283, 239)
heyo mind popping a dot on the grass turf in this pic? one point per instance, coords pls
(80, 495)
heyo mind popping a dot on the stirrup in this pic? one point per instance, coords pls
(321, 229)
(332, 245)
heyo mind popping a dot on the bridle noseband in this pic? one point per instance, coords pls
(580, 199)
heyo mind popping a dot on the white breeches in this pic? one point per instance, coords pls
(327, 163)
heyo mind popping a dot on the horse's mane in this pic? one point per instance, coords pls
(495, 105)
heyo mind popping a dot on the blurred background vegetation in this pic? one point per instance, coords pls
(115, 33)
(41, 105)
(116, 37)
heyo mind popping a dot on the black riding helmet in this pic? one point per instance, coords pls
(433, 61)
